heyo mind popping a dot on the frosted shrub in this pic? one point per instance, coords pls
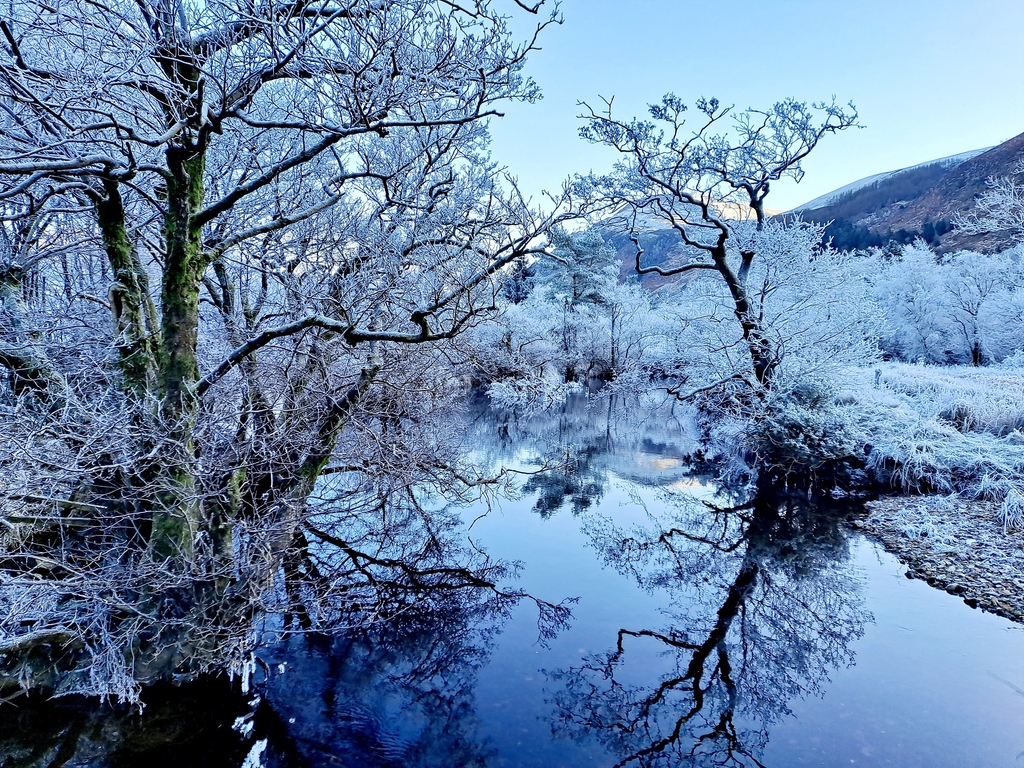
(1014, 361)
(805, 429)
(530, 394)
(814, 306)
(1001, 323)
(1011, 514)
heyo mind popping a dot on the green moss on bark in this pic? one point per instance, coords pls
(129, 294)
(183, 273)
(180, 517)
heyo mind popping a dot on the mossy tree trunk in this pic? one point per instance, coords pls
(183, 275)
(178, 515)
(131, 305)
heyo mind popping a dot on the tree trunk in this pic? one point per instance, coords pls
(178, 515)
(303, 477)
(21, 349)
(762, 356)
(130, 303)
(183, 274)
(977, 356)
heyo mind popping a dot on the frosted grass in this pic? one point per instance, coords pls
(952, 430)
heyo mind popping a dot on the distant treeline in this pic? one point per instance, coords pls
(844, 235)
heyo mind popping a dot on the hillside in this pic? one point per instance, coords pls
(661, 247)
(920, 201)
(903, 179)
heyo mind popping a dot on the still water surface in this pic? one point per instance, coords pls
(709, 629)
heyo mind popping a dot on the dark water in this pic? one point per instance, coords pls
(711, 629)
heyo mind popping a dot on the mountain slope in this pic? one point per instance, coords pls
(942, 164)
(920, 201)
(957, 190)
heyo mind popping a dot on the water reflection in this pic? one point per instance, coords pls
(714, 613)
(760, 601)
(761, 604)
(580, 444)
(401, 695)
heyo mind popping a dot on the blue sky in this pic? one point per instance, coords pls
(929, 79)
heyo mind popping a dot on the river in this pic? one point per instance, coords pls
(709, 627)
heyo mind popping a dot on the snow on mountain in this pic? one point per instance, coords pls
(831, 197)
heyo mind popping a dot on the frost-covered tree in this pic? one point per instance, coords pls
(583, 272)
(704, 180)
(999, 208)
(578, 322)
(582, 265)
(960, 308)
(908, 288)
(238, 240)
(811, 303)
(972, 282)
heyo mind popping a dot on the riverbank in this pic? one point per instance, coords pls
(954, 544)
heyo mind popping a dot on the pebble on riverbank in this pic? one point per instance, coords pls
(953, 544)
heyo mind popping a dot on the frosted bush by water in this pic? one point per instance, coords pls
(946, 430)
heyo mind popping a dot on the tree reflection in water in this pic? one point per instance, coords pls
(762, 606)
(579, 444)
(761, 600)
(397, 688)
(400, 695)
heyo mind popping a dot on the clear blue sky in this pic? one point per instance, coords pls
(930, 78)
